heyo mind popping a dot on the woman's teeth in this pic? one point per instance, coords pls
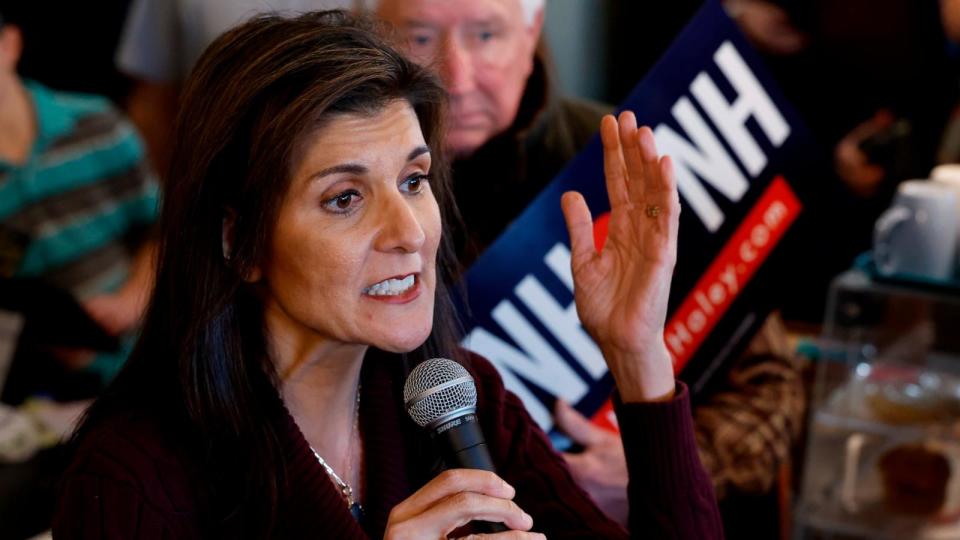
(391, 287)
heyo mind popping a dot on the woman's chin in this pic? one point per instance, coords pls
(405, 343)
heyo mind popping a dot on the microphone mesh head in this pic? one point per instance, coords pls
(425, 404)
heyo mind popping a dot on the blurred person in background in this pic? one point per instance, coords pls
(76, 202)
(162, 39)
(77, 195)
(873, 82)
(511, 132)
(884, 79)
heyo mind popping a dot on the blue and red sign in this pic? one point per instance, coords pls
(735, 144)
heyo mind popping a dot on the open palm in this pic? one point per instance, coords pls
(621, 292)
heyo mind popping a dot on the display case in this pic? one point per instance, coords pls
(883, 452)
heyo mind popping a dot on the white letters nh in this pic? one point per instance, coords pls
(538, 362)
(706, 156)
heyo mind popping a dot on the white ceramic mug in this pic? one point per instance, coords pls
(950, 175)
(917, 236)
(949, 172)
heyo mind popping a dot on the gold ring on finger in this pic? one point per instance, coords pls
(653, 210)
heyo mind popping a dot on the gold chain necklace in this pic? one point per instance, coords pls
(345, 490)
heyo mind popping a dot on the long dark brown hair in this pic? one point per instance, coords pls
(201, 365)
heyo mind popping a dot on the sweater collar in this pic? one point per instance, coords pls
(312, 502)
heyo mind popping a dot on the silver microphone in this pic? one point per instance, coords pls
(440, 395)
(438, 391)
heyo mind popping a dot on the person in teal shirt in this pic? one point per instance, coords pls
(77, 199)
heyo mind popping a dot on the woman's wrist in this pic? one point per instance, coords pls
(642, 377)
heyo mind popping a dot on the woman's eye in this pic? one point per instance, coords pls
(342, 202)
(414, 184)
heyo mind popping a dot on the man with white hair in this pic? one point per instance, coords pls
(510, 134)
(508, 129)
(490, 47)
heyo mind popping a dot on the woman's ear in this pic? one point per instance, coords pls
(227, 241)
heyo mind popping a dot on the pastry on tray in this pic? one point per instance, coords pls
(915, 478)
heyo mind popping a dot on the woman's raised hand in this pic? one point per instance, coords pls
(621, 292)
(453, 499)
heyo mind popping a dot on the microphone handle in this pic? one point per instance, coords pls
(464, 448)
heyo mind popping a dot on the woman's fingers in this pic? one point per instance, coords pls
(453, 499)
(614, 169)
(634, 169)
(580, 227)
(633, 156)
(669, 186)
(448, 483)
(636, 175)
(459, 509)
(653, 189)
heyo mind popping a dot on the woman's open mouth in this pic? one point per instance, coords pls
(398, 289)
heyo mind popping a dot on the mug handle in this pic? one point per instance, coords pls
(889, 222)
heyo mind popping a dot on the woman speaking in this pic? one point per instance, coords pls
(301, 275)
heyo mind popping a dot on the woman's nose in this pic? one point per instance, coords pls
(400, 227)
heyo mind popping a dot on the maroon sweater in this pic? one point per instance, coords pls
(129, 481)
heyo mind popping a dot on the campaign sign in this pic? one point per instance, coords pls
(735, 144)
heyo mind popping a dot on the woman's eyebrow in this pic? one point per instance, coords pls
(417, 152)
(358, 169)
(348, 168)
